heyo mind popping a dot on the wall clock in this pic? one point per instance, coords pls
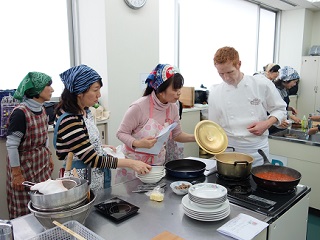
(135, 4)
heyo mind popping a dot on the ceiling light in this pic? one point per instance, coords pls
(313, 1)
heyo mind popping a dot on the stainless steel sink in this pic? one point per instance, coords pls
(297, 136)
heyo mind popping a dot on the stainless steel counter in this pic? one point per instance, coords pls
(152, 218)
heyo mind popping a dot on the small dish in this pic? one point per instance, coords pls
(180, 187)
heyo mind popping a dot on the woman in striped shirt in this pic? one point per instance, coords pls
(82, 90)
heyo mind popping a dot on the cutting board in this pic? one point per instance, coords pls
(167, 236)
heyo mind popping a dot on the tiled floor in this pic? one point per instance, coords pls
(313, 227)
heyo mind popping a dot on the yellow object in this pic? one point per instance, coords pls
(304, 123)
(211, 137)
(156, 196)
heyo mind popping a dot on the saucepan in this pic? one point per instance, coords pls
(273, 177)
(213, 139)
(185, 168)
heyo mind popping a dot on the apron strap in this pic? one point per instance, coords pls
(55, 134)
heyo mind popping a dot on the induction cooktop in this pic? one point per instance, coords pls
(116, 209)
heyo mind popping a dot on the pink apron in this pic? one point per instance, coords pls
(150, 129)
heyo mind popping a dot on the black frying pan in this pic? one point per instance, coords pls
(275, 186)
(185, 168)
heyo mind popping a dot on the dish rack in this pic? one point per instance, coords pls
(7, 104)
(57, 233)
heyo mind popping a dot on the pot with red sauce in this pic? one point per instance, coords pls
(275, 178)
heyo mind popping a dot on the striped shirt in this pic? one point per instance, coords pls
(73, 137)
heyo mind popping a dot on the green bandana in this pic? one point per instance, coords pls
(34, 82)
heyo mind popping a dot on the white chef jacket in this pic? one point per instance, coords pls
(235, 108)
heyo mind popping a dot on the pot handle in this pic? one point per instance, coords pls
(233, 149)
(265, 159)
(240, 162)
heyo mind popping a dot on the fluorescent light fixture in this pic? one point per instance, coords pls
(313, 1)
(289, 2)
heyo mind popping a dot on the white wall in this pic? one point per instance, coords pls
(121, 44)
(315, 40)
(299, 31)
(291, 38)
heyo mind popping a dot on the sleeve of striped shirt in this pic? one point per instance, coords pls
(73, 136)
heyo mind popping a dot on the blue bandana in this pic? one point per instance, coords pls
(160, 74)
(79, 78)
(288, 74)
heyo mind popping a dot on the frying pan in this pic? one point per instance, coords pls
(185, 168)
(274, 185)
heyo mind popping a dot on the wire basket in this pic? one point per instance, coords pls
(57, 233)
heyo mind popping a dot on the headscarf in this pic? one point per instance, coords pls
(34, 82)
(288, 74)
(272, 67)
(160, 74)
(79, 78)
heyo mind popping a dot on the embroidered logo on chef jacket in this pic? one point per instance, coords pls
(255, 101)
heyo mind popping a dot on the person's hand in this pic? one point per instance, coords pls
(147, 142)
(140, 167)
(294, 111)
(17, 181)
(315, 118)
(51, 164)
(295, 119)
(284, 124)
(313, 130)
(109, 146)
(258, 128)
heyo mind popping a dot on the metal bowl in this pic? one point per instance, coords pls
(61, 200)
(78, 214)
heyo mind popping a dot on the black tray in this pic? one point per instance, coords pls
(116, 209)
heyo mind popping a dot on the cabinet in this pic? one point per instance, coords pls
(309, 95)
(305, 159)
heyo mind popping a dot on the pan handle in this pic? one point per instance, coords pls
(265, 159)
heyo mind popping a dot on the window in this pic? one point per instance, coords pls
(34, 37)
(203, 26)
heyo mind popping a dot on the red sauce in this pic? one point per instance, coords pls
(275, 176)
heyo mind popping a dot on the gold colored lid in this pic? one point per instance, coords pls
(211, 137)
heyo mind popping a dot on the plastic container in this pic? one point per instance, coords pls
(304, 123)
(57, 233)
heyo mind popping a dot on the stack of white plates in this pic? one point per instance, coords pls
(206, 202)
(154, 176)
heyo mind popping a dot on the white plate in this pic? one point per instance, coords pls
(208, 191)
(208, 219)
(193, 207)
(207, 215)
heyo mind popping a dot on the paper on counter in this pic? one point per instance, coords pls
(243, 227)
(161, 139)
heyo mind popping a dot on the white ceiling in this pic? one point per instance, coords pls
(285, 4)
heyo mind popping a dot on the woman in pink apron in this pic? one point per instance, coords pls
(147, 116)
